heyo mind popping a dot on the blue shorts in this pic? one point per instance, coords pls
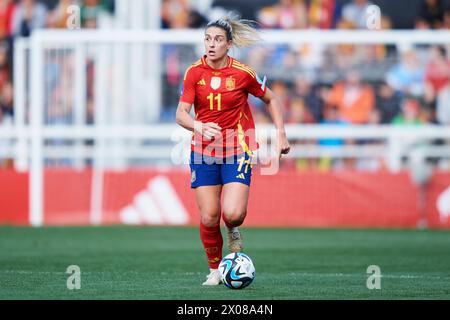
(209, 171)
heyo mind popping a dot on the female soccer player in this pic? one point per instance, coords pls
(223, 134)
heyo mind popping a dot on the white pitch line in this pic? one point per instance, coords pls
(392, 276)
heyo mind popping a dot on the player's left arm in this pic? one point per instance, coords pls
(274, 106)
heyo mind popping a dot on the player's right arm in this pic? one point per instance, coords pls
(184, 119)
(183, 116)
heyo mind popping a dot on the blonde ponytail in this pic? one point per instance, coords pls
(241, 31)
(244, 34)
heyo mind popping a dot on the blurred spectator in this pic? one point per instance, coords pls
(196, 20)
(387, 50)
(369, 163)
(387, 103)
(57, 18)
(282, 92)
(407, 76)
(431, 14)
(178, 14)
(437, 70)
(298, 112)
(256, 57)
(446, 19)
(171, 57)
(6, 119)
(292, 14)
(267, 17)
(443, 106)
(6, 145)
(437, 77)
(343, 55)
(421, 24)
(310, 58)
(4, 64)
(353, 99)
(28, 16)
(259, 110)
(355, 102)
(91, 10)
(374, 117)
(259, 116)
(6, 100)
(303, 90)
(386, 23)
(277, 55)
(410, 112)
(6, 17)
(175, 14)
(322, 14)
(331, 116)
(286, 14)
(356, 13)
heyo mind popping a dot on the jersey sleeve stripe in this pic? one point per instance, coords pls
(247, 68)
(253, 73)
(192, 66)
(240, 68)
(242, 65)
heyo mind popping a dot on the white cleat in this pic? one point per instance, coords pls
(213, 278)
(234, 240)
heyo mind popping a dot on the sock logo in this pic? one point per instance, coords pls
(212, 250)
(216, 259)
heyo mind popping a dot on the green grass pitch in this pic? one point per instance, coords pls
(169, 263)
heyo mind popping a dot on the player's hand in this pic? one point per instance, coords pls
(283, 144)
(208, 130)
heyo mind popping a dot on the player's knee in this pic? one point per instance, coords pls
(210, 219)
(235, 217)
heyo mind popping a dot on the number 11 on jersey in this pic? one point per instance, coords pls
(211, 99)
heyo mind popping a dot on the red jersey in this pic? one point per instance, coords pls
(220, 96)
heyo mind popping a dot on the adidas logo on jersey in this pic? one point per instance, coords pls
(202, 82)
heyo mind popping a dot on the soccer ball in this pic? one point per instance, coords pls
(237, 270)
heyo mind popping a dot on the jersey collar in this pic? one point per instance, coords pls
(230, 62)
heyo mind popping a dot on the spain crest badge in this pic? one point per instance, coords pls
(230, 83)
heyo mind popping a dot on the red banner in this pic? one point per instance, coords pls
(437, 203)
(288, 199)
(13, 198)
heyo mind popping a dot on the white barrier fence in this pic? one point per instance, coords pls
(161, 139)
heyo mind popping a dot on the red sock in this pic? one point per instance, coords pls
(212, 242)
